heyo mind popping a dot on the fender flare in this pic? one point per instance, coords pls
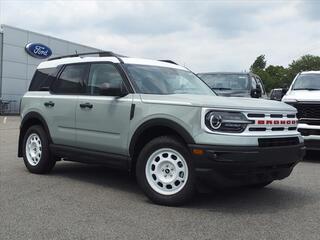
(23, 128)
(159, 122)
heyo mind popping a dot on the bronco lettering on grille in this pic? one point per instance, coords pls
(276, 122)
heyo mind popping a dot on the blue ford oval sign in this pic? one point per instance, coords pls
(38, 50)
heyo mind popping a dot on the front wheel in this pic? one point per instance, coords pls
(165, 172)
(36, 154)
(260, 185)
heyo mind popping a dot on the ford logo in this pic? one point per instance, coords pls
(38, 50)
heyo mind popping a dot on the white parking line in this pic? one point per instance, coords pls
(5, 120)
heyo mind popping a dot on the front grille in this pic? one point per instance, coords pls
(277, 129)
(308, 110)
(257, 129)
(271, 122)
(277, 142)
(256, 115)
(276, 116)
(308, 132)
(310, 121)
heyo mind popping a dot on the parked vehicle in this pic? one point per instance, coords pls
(304, 95)
(235, 84)
(277, 94)
(156, 119)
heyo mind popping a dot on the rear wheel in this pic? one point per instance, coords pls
(36, 154)
(164, 171)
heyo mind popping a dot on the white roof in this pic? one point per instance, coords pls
(141, 61)
(82, 59)
(310, 72)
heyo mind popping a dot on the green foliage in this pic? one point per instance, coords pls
(305, 63)
(259, 63)
(278, 76)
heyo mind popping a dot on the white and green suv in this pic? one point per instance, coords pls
(156, 119)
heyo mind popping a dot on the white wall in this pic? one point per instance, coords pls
(18, 67)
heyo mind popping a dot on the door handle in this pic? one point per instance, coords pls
(86, 105)
(49, 104)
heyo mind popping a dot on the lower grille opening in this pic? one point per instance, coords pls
(277, 142)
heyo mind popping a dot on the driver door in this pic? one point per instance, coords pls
(102, 122)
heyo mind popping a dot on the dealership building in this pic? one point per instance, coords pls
(20, 53)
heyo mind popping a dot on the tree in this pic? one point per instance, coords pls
(259, 64)
(278, 76)
(304, 63)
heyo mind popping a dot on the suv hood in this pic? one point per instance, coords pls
(233, 93)
(302, 95)
(217, 102)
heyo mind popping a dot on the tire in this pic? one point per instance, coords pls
(36, 153)
(260, 185)
(165, 171)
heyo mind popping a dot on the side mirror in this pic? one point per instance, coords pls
(107, 89)
(256, 93)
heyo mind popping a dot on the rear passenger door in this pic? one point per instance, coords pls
(60, 103)
(104, 125)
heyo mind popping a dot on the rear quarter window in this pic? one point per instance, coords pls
(42, 79)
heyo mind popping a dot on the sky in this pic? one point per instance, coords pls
(202, 35)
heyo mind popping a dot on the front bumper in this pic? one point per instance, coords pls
(311, 135)
(232, 165)
(312, 143)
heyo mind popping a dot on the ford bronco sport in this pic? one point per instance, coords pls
(156, 119)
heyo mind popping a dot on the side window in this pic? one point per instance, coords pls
(42, 79)
(71, 80)
(102, 74)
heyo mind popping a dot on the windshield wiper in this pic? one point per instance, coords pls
(221, 88)
(310, 89)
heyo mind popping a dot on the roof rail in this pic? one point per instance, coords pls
(100, 53)
(168, 61)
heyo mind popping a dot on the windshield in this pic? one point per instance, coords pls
(307, 82)
(164, 80)
(226, 81)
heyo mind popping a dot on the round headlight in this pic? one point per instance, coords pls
(224, 121)
(215, 120)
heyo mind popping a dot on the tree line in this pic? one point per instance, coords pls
(279, 76)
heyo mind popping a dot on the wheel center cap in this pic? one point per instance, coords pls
(167, 171)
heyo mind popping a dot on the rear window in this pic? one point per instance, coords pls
(42, 79)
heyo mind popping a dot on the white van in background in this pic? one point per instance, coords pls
(304, 94)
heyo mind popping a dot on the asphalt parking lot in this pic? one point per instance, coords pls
(77, 201)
